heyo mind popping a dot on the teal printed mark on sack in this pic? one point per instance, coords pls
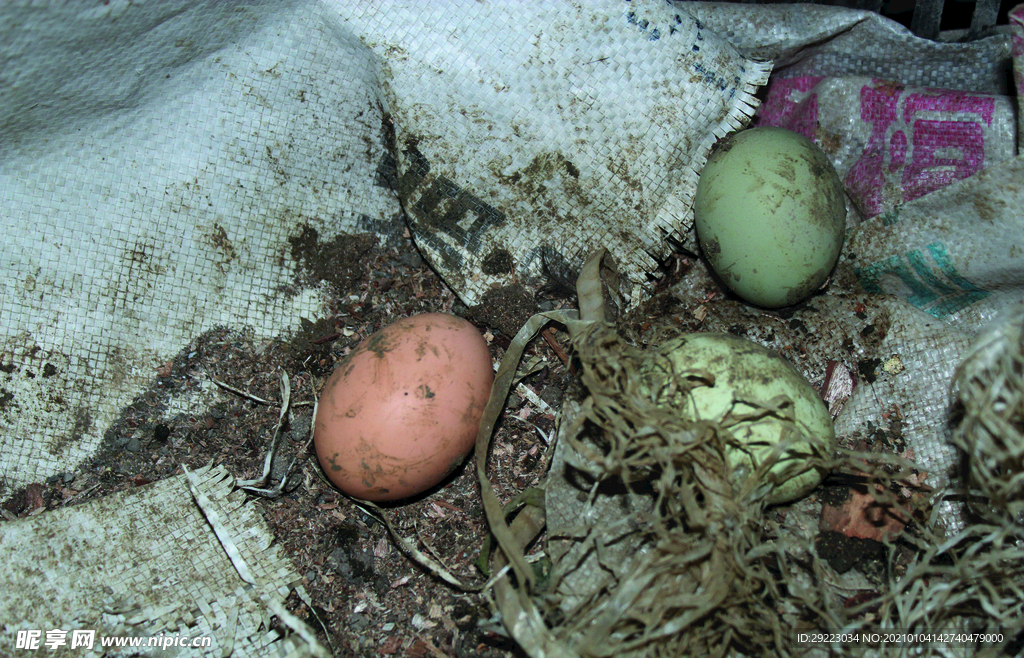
(939, 291)
(439, 205)
(891, 217)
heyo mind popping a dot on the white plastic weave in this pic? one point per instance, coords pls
(155, 159)
(146, 563)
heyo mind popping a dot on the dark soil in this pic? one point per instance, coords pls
(369, 599)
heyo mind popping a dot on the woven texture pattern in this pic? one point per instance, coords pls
(144, 563)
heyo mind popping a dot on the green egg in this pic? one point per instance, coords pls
(746, 375)
(770, 215)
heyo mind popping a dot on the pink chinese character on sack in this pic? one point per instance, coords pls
(907, 157)
(791, 104)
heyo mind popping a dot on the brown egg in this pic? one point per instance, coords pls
(403, 409)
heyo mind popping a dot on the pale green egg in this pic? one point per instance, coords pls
(748, 378)
(770, 215)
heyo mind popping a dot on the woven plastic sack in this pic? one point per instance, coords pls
(156, 184)
(929, 159)
(924, 136)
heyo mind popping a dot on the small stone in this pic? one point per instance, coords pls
(300, 426)
(279, 467)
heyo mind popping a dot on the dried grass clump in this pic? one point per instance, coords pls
(657, 549)
(988, 399)
(700, 579)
